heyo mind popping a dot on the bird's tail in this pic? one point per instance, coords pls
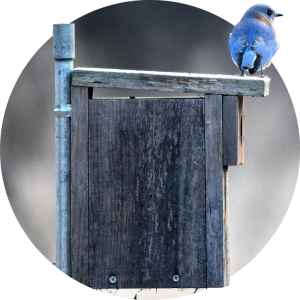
(248, 59)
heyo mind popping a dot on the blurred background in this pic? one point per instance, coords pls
(160, 36)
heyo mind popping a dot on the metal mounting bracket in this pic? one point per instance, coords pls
(62, 111)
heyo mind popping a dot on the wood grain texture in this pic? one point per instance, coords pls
(226, 245)
(216, 267)
(233, 132)
(147, 193)
(79, 185)
(241, 130)
(171, 82)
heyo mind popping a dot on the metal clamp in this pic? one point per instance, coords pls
(62, 111)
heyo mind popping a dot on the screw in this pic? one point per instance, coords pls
(176, 278)
(112, 279)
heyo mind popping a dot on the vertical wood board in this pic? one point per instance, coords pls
(241, 130)
(147, 199)
(233, 143)
(216, 267)
(226, 245)
(79, 185)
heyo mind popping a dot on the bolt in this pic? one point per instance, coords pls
(112, 279)
(176, 278)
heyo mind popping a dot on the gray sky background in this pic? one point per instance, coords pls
(159, 36)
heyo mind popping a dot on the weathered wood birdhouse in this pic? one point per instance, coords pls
(142, 182)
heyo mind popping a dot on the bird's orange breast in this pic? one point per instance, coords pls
(262, 19)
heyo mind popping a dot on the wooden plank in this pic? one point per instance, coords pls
(233, 133)
(191, 253)
(226, 246)
(230, 130)
(171, 82)
(147, 205)
(231, 126)
(216, 267)
(241, 130)
(79, 185)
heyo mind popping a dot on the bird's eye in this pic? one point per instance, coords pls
(269, 13)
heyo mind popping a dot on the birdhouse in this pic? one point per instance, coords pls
(142, 183)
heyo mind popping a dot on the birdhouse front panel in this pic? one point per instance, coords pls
(148, 192)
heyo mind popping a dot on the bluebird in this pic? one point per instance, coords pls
(253, 41)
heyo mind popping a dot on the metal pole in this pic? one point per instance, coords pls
(64, 53)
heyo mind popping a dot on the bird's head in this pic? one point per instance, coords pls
(262, 12)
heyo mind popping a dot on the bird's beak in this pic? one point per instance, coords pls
(279, 15)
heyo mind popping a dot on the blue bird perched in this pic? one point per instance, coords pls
(253, 41)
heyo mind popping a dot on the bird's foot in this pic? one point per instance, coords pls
(262, 74)
(242, 74)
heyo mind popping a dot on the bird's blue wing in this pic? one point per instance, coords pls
(264, 51)
(237, 47)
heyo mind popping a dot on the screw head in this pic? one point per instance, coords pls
(176, 278)
(112, 279)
